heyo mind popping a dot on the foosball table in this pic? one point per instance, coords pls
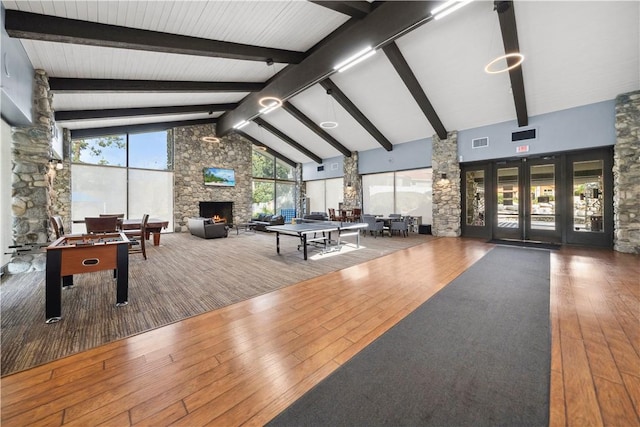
(84, 253)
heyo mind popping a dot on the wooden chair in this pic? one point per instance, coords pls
(119, 216)
(107, 224)
(356, 213)
(58, 226)
(138, 237)
(333, 216)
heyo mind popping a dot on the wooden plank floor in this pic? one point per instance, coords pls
(243, 364)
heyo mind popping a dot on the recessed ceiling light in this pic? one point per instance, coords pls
(240, 124)
(354, 59)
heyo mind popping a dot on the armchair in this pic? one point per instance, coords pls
(204, 228)
(400, 225)
(373, 226)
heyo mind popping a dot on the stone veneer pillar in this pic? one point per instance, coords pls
(352, 182)
(61, 191)
(191, 155)
(446, 193)
(32, 178)
(626, 174)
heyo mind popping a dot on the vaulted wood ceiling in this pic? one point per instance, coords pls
(141, 65)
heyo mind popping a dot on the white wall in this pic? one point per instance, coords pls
(5, 191)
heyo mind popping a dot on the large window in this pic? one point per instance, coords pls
(128, 173)
(273, 185)
(324, 194)
(403, 192)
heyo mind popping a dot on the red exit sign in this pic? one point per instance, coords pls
(522, 149)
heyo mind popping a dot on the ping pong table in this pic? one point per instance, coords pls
(318, 232)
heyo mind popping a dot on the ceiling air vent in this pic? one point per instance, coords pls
(320, 168)
(480, 142)
(523, 135)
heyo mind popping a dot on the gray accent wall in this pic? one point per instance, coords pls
(579, 128)
(333, 168)
(409, 155)
(16, 80)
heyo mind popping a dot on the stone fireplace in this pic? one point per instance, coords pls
(222, 211)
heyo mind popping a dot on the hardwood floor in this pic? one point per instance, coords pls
(243, 364)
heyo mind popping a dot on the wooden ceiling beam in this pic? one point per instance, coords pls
(383, 24)
(72, 85)
(33, 26)
(291, 109)
(415, 89)
(261, 122)
(354, 9)
(135, 112)
(507, 18)
(338, 95)
(267, 149)
(140, 128)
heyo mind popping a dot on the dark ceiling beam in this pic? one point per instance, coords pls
(146, 127)
(267, 149)
(34, 26)
(261, 122)
(346, 103)
(291, 109)
(411, 82)
(507, 18)
(71, 85)
(385, 23)
(354, 9)
(146, 111)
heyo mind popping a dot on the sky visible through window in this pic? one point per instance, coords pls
(146, 151)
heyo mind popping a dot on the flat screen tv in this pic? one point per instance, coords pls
(219, 176)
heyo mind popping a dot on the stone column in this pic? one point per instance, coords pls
(352, 182)
(301, 190)
(61, 186)
(32, 178)
(446, 192)
(626, 174)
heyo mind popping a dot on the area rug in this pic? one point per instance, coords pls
(183, 277)
(475, 354)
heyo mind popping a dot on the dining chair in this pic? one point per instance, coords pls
(119, 216)
(58, 226)
(374, 226)
(107, 224)
(138, 237)
(356, 214)
(401, 226)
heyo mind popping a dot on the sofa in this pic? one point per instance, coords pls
(261, 222)
(205, 228)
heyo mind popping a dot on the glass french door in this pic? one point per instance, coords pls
(526, 200)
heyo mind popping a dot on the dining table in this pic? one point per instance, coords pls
(154, 226)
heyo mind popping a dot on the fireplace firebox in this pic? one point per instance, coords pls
(221, 211)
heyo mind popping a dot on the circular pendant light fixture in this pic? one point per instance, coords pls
(518, 56)
(210, 139)
(328, 125)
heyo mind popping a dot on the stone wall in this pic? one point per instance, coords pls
(61, 187)
(352, 182)
(446, 192)
(32, 179)
(626, 174)
(192, 155)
